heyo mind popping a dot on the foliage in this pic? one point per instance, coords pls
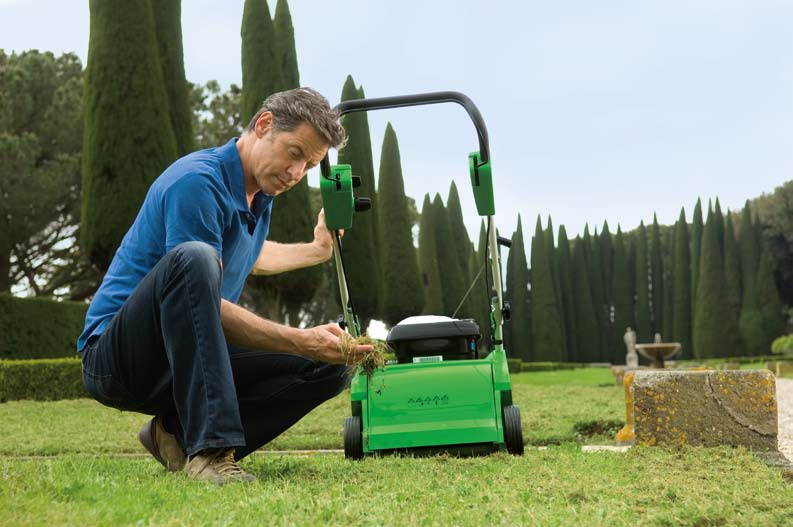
(451, 271)
(128, 139)
(41, 379)
(168, 26)
(520, 343)
(285, 42)
(548, 340)
(642, 307)
(696, 245)
(215, 113)
(681, 287)
(656, 278)
(402, 292)
(261, 58)
(782, 345)
(462, 249)
(716, 331)
(623, 297)
(587, 329)
(762, 315)
(565, 268)
(428, 261)
(40, 147)
(34, 328)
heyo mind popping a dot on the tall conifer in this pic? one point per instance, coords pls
(452, 278)
(128, 139)
(762, 318)
(622, 293)
(715, 330)
(644, 326)
(656, 278)
(681, 287)
(168, 25)
(696, 244)
(518, 285)
(565, 268)
(285, 42)
(732, 274)
(595, 261)
(428, 262)
(462, 245)
(403, 294)
(587, 330)
(750, 248)
(547, 329)
(261, 57)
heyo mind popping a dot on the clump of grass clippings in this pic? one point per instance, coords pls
(371, 360)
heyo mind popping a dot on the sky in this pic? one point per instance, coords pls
(596, 111)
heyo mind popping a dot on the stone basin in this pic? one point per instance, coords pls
(658, 352)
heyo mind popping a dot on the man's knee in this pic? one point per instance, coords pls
(338, 378)
(199, 256)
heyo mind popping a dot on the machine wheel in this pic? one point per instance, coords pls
(513, 436)
(353, 446)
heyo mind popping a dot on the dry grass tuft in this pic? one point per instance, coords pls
(371, 360)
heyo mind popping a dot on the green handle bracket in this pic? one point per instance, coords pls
(482, 183)
(337, 197)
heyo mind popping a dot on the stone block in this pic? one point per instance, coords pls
(705, 408)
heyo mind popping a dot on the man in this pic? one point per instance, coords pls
(164, 336)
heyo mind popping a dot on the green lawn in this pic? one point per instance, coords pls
(559, 485)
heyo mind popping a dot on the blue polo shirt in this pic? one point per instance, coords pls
(200, 197)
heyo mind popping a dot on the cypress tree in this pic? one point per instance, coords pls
(611, 335)
(285, 42)
(547, 329)
(667, 245)
(557, 285)
(762, 318)
(656, 278)
(128, 140)
(719, 218)
(642, 307)
(622, 293)
(359, 242)
(696, 244)
(403, 294)
(518, 285)
(732, 274)
(749, 244)
(595, 261)
(564, 266)
(715, 329)
(587, 331)
(261, 71)
(463, 247)
(452, 278)
(681, 287)
(168, 26)
(428, 261)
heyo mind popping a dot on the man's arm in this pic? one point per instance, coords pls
(245, 329)
(277, 258)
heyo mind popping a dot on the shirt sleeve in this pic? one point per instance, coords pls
(193, 211)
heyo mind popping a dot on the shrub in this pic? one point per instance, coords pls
(514, 365)
(550, 366)
(782, 345)
(41, 379)
(38, 328)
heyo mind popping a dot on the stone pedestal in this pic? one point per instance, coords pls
(706, 408)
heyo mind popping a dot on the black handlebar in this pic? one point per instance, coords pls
(381, 103)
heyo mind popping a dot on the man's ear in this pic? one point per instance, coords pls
(264, 124)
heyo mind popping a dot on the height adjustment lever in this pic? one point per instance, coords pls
(356, 181)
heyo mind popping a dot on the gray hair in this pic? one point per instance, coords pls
(303, 105)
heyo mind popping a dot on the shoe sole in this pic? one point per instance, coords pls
(149, 442)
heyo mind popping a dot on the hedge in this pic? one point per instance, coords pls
(41, 379)
(39, 328)
(551, 366)
(514, 365)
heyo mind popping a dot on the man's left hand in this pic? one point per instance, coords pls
(323, 238)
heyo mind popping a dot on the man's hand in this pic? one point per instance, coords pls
(323, 238)
(322, 343)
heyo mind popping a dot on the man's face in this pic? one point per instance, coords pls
(281, 159)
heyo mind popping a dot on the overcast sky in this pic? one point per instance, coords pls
(596, 110)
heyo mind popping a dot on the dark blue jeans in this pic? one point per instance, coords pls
(164, 353)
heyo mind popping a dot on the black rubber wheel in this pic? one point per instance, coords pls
(513, 435)
(353, 446)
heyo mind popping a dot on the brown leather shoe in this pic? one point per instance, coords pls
(162, 445)
(216, 465)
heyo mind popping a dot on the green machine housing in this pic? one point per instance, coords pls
(443, 394)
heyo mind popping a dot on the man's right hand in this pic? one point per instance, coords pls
(323, 344)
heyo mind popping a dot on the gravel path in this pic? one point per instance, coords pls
(784, 397)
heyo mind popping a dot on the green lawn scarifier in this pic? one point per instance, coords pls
(441, 396)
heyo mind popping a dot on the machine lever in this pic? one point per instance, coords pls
(362, 204)
(356, 181)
